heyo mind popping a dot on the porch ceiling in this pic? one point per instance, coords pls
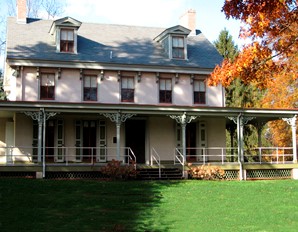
(7, 108)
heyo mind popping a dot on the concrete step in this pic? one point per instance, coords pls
(153, 174)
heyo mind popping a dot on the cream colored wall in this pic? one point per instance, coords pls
(146, 91)
(109, 88)
(215, 96)
(162, 136)
(69, 88)
(23, 130)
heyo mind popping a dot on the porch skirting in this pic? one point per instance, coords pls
(232, 172)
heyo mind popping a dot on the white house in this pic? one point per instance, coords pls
(85, 93)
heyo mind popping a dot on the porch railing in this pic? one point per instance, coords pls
(225, 155)
(23, 155)
(179, 159)
(154, 157)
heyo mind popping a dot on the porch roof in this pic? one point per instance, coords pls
(7, 108)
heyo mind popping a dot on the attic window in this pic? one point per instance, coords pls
(67, 40)
(178, 47)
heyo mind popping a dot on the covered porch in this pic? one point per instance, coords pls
(169, 135)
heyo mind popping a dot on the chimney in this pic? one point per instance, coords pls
(22, 11)
(188, 20)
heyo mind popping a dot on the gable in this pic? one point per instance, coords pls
(65, 22)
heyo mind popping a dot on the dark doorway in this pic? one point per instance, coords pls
(191, 141)
(89, 139)
(135, 138)
(50, 140)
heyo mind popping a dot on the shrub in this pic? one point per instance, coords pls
(115, 170)
(206, 172)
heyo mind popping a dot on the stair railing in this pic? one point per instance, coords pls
(180, 158)
(154, 157)
(132, 157)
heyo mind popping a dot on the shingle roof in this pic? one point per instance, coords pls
(128, 44)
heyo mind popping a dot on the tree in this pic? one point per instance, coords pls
(35, 9)
(238, 94)
(270, 62)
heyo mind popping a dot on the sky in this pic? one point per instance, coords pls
(155, 13)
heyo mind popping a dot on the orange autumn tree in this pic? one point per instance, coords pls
(271, 61)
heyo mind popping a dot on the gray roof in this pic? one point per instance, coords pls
(128, 44)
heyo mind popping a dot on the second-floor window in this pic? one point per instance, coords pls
(127, 89)
(67, 40)
(90, 88)
(47, 86)
(165, 90)
(199, 92)
(178, 47)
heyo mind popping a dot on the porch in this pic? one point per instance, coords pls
(68, 162)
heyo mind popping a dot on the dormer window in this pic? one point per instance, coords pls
(67, 40)
(65, 32)
(174, 42)
(178, 47)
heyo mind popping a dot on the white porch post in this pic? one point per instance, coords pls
(118, 118)
(292, 123)
(240, 121)
(183, 120)
(38, 116)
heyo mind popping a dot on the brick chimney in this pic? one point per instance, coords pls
(188, 20)
(22, 11)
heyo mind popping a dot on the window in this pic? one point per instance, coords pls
(67, 40)
(199, 92)
(47, 86)
(178, 47)
(165, 90)
(127, 89)
(90, 88)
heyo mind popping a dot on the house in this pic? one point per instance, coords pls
(81, 94)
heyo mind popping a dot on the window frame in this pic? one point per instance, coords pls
(180, 49)
(127, 94)
(47, 88)
(199, 96)
(67, 42)
(165, 95)
(93, 91)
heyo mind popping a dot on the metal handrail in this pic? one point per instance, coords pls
(155, 157)
(179, 156)
(132, 157)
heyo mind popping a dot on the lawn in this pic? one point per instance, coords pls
(84, 205)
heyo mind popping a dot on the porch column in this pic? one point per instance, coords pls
(292, 123)
(41, 117)
(46, 116)
(37, 116)
(183, 120)
(118, 118)
(241, 121)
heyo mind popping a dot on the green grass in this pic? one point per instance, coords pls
(51, 205)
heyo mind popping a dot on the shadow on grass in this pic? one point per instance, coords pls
(81, 205)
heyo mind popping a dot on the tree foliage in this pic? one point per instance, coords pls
(270, 61)
(273, 27)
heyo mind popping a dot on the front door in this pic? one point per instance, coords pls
(191, 144)
(135, 138)
(89, 139)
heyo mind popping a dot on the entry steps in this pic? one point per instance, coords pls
(153, 174)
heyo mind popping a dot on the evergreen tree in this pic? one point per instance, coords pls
(238, 94)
